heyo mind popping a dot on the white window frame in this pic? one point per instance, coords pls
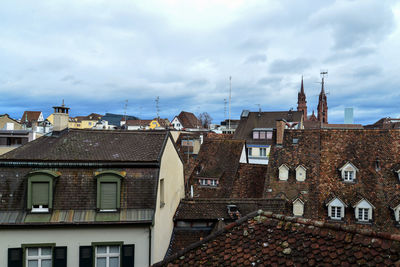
(364, 214)
(263, 152)
(348, 176)
(256, 135)
(40, 208)
(203, 182)
(108, 254)
(39, 257)
(213, 182)
(335, 211)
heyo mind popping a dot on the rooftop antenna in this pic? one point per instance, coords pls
(125, 109)
(225, 102)
(324, 73)
(230, 94)
(158, 107)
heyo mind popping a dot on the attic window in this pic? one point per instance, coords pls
(108, 190)
(40, 190)
(261, 133)
(348, 172)
(295, 141)
(212, 182)
(363, 211)
(336, 209)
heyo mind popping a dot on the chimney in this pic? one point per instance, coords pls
(280, 130)
(61, 117)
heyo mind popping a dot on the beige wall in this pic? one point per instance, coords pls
(5, 119)
(172, 172)
(5, 149)
(75, 237)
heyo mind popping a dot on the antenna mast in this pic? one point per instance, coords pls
(125, 108)
(225, 103)
(158, 107)
(230, 93)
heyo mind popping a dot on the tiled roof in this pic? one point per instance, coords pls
(263, 120)
(323, 152)
(182, 238)
(138, 122)
(265, 239)
(214, 209)
(30, 116)
(385, 123)
(75, 190)
(250, 180)
(189, 120)
(217, 158)
(93, 145)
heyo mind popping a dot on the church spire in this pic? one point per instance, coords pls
(301, 101)
(322, 102)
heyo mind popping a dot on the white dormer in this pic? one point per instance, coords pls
(348, 172)
(298, 207)
(396, 211)
(336, 209)
(301, 172)
(283, 172)
(363, 210)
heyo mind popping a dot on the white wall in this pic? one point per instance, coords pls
(75, 237)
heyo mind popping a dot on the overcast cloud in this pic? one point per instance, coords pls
(97, 54)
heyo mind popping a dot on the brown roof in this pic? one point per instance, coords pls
(263, 120)
(138, 122)
(93, 145)
(214, 209)
(375, 153)
(219, 159)
(250, 180)
(189, 120)
(265, 239)
(385, 123)
(30, 116)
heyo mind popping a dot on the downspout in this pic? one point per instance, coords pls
(150, 245)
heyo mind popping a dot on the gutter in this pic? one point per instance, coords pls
(149, 245)
(77, 164)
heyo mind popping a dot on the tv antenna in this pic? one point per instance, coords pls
(158, 107)
(230, 96)
(225, 103)
(125, 109)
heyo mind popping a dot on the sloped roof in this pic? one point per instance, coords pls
(138, 122)
(265, 239)
(189, 120)
(249, 182)
(263, 120)
(115, 119)
(214, 209)
(385, 123)
(30, 116)
(93, 145)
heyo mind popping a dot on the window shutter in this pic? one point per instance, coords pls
(108, 196)
(128, 255)
(60, 256)
(14, 257)
(40, 193)
(85, 256)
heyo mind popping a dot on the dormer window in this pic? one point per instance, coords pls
(262, 133)
(301, 172)
(336, 209)
(109, 190)
(213, 182)
(40, 190)
(363, 211)
(348, 172)
(298, 207)
(283, 172)
(396, 211)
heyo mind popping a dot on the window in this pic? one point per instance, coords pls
(301, 173)
(262, 135)
(40, 190)
(263, 152)
(90, 123)
(109, 190)
(208, 182)
(162, 200)
(250, 151)
(269, 135)
(336, 213)
(256, 135)
(107, 256)
(363, 214)
(348, 175)
(283, 172)
(213, 182)
(39, 257)
(298, 207)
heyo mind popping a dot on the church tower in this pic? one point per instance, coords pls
(322, 105)
(301, 101)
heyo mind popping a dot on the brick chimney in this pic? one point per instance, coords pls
(60, 118)
(280, 130)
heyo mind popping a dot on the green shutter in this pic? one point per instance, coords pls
(60, 256)
(15, 257)
(40, 193)
(108, 196)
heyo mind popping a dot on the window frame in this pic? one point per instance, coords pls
(113, 243)
(41, 176)
(364, 212)
(25, 248)
(335, 210)
(108, 177)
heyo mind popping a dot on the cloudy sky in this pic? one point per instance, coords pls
(97, 54)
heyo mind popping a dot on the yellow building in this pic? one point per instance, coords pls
(80, 122)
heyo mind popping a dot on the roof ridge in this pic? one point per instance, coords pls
(307, 222)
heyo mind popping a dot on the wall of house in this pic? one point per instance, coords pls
(5, 119)
(5, 149)
(73, 237)
(171, 171)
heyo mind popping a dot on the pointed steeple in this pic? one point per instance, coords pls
(301, 101)
(322, 104)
